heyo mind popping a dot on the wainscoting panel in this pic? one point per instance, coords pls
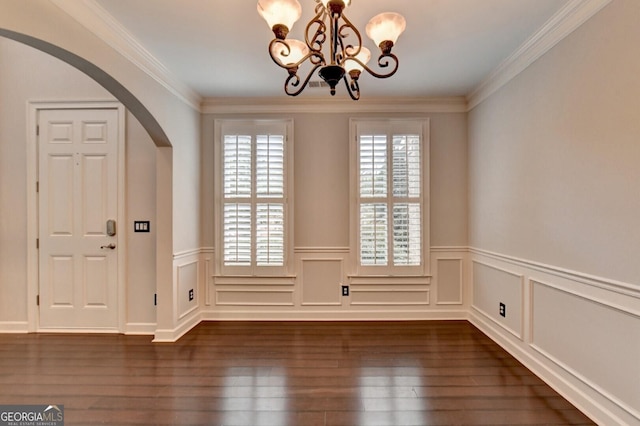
(580, 333)
(575, 331)
(449, 279)
(254, 296)
(321, 281)
(389, 296)
(492, 286)
(187, 287)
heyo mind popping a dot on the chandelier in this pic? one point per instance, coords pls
(332, 45)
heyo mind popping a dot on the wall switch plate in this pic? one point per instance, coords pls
(345, 290)
(141, 226)
(503, 310)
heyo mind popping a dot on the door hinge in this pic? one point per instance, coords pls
(37, 243)
(38, 130)
(38, 300)
(38, 186)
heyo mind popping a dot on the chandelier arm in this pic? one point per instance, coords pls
(320, 34)
(349, 50)
(314, 57)
(353, 88)
(293, 81)
(383, 62)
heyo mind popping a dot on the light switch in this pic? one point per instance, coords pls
(141, 226)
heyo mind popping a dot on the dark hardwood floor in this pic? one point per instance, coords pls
(282, 373)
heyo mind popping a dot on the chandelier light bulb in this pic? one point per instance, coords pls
(363, 56)
(288, 57)
(386, 27)
(280, 15)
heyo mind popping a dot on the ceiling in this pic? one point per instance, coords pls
(218, 48)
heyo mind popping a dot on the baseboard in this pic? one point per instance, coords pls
(79, 330)
(14, 327)
(595, 406)
(330, 315)
(172, 335)
(142, 329)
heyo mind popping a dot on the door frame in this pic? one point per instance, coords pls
(33, 281)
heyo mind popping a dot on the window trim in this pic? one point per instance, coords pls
(388, 126)
(253, 127)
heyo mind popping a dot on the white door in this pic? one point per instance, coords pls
(78, 195)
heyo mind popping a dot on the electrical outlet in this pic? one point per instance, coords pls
(345, 290)
(190, 295)
(503, 310)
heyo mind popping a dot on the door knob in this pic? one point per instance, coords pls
(110, 246)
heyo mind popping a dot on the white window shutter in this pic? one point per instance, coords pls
(390, 196)
(253, 228)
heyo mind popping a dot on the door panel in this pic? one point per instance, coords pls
(77, 152)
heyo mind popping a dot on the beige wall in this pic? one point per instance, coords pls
(31, 75)
(554, 154)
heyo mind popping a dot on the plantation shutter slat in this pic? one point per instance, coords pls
(237, 234)
(373, 234)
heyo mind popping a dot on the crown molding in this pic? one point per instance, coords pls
(98, 21)
(287, 105)
(559, 26)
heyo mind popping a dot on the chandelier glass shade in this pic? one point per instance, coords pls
(332, 45)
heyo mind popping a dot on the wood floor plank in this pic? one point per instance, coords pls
(282, 373)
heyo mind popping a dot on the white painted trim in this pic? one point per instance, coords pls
(335, 315)
(140, 329)
(172, 335)
(390, 280)
(461, 266)
(255, 290)
(341, 262)
(449, 249)
(318, 250)
(355, 290)
(327, 105)
(99, 22)
(178, 281)
(559, 26)
(33, 108)
(187, 253)
(584, 402)
(14, 327)
(630, 410)
(597, 300)
(206, 280)
(122, 216)
(619, 287)
(517, 333)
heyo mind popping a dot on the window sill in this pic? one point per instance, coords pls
(389, 279)
(254, 279)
